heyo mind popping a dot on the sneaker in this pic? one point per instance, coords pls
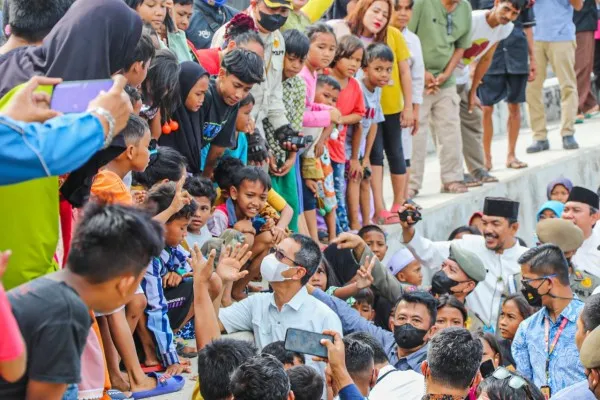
(569, 143)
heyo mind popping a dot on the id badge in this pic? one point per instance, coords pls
(546, 392)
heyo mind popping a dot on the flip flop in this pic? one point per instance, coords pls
(164, 385)
(516, 164)
(115, 394)
(152, 368)
(180, 346)
(386, 218)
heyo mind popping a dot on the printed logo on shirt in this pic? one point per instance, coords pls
(477, 47)
(370, 113)
(204, 34)
(211, 130)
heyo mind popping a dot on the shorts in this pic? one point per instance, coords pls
(308, 197)
(496, 88)
(179, 301)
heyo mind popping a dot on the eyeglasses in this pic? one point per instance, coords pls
(280, 256)
(515, 382)
(449, 24)
(524, 281)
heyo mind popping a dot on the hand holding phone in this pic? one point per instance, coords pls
(75, 96)
(306, 342)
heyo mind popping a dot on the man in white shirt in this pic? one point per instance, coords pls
(498, 248)
(269, 315)
(582, 209)
(489, 28)
(391, 384)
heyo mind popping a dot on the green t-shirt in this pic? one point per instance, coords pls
(441, 33)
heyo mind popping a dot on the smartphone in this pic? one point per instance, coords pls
(75, 96)
(301, 141)
(306, 342)
(487, 368)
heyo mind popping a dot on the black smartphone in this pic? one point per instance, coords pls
(306, 342)
(75, 96)
(487, 368)
(301, 141)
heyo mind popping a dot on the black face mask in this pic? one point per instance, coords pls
(408, 337)
(271, 22)
(531, 294)
(441, 283)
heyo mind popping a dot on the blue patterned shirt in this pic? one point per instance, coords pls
(530, 353)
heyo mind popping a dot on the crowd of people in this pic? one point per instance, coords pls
(229, 188)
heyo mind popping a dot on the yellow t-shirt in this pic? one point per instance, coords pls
(274, 199)
(196, 395)
(392, 99)
(315, 9)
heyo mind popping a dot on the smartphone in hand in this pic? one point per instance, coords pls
(75, 96)
(306, 342)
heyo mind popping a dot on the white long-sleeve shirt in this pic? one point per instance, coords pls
(417, 66)
(502, 276)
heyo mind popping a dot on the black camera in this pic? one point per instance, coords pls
(301, 141)
(414, 214)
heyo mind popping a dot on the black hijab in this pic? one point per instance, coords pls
(92, 41)
(188, 138)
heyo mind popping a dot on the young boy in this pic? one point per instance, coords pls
(406, 268)
(375, 238)
(203, 193)
(283, 163)
(108, 185)
(240, 70)
(364, 303)
(28, 22)
(169, 292)
(111, 248)
(241, 211)
(375, 75)
(136, 68)
(317, 173)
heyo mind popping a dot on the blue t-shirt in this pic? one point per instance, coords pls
(554, 21)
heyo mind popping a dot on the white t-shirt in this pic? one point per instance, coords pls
(373, 115)
(398, 385)
(483, 37)
(199, 238)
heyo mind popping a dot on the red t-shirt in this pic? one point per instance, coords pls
(209, 59)
(350, 101)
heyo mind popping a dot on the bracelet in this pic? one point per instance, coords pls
(111, 124)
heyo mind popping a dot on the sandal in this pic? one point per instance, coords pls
(483, 176)
(592, 112)
(165, 384)
(516, 164)
(471, 181)
(454, 188)
(152, 368)
(386, 218)
(190, 354)
(115, 394)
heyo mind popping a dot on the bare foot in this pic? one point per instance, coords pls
(151, 360)
(118, 382)
(488, 163)
(143, 384)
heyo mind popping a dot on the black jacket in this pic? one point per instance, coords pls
(205, 21)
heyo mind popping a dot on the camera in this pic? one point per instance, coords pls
(301, 141)
(414, 214)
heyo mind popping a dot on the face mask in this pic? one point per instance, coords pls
(408, 337)
(531, 294)
(441, 283)
(271, 22)
(271, 269)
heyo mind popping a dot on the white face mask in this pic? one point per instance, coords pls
(271, 269)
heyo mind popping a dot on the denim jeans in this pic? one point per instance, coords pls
(71, 392)
(339, 184)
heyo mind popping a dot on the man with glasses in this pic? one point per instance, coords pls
(544, 346)
(269, 315)
(444, 27)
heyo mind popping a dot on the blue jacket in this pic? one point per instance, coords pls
(206, 20)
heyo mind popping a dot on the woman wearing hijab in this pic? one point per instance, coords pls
(193, 81)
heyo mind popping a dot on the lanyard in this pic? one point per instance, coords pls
(550, 348)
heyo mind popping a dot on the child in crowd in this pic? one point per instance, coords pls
(550, 209)
(559, 189)
(108, 185)
(241, 211)
(240, 70)
(137, 66)
(244, 125)
(375, 75)
(406, 268)
(288, 358)
(364, 303)
(283, 163)
(376, 239)
(164, 165)
(318, 121)
(166, 282)
(160, 92)
(110, 250)
(349, 58)
(204, 194)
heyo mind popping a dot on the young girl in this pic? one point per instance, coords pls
(349, 58)
(243, 125)
(193, 82)
(450, 312)
(317, 123)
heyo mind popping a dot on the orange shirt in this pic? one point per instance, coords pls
(110, 188)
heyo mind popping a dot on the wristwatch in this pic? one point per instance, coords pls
(111, 124)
